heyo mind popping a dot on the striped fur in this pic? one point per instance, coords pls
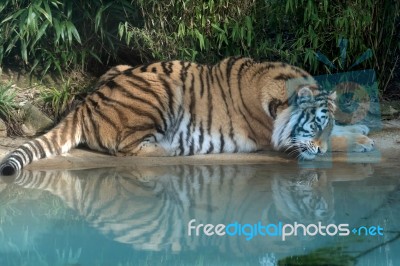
(182, 108)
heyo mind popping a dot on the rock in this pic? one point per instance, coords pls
(389, 110)
(34, 120)
(3, 129)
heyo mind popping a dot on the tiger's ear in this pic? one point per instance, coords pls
(304, 95)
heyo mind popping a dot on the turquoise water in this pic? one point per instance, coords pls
(141, 215)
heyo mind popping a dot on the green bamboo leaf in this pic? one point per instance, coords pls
(24, 51)
(57, 28)
(40, 33)
(200, 37)
(75, 33)
(47, 15)
(121, 29)
(48, 11)
(249, 26)
(13, 16)
(72, 31)
(69, 31)
(69, 9)
(98, 18)
(95, 56)
(215, 26)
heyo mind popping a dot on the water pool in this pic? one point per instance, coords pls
(343, 214)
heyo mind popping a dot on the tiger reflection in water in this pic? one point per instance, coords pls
(149, 207)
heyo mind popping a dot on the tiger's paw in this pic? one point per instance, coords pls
(363, 144)
(352, 142)
(150, 149)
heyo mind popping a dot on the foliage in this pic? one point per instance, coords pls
(60, 99)
(370, 24)
(334, 256)
(194, 30)
(54, 35)
(7, 101)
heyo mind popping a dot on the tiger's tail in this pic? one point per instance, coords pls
(62, 138)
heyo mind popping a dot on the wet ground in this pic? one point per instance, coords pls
(86, 208)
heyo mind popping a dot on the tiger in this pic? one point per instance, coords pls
(179, 108)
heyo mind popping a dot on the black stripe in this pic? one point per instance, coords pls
(51, 145)
(138, 128)
(201, 137)
(28, 153)
(232, 136)
(239, 75)
(273, 107)
(144, 68)
(188, 130)
(40, 148)
(101, 114)
(170, 94)
(191, 147)
(33, 148)
(177, 122)
(221, 88)
(181, 147)
(285, 77)
(183, 74)
(222, 141)
(95, 129)
(201, 82)
(192, 106)
(167, 67)
(210, 102)
(211, 148)
(85, 124)
(263, 69)
(144, 89)
(128, 72)
(248, 124)
(17, 158)
(21, 155)
(62, 135)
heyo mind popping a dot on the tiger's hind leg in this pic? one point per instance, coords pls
(351, 138)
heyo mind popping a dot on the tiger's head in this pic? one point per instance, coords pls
(305, 126)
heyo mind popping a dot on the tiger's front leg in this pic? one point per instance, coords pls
(351, 138)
